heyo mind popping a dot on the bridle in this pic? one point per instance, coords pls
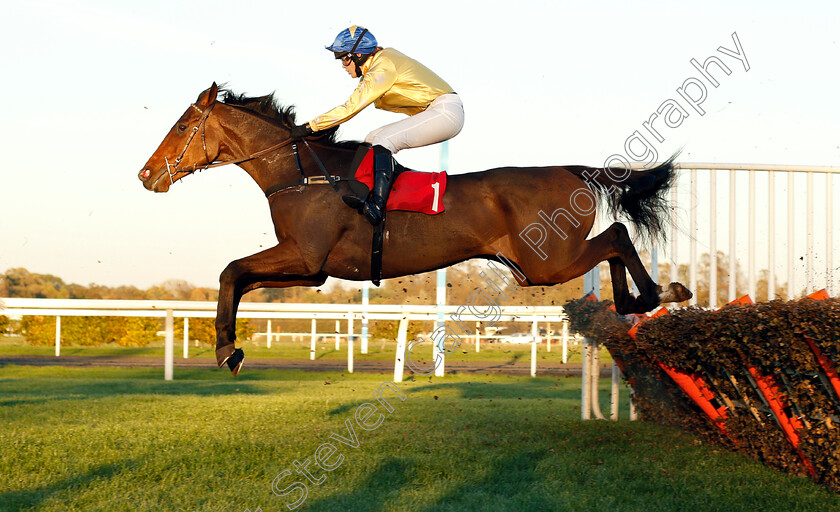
(193, 168)
(304, 180)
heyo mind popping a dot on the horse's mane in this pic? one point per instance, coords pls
(270, 108)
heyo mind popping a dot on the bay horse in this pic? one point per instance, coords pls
(486, 214)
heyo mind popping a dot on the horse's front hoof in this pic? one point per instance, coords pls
(235, 361)
(676, 292)
(224, 353)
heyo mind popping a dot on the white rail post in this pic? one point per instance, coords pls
(771, 236)
(616, 373)
(535, 332)
(437, 344)
(733, 274)
(438, 355)
(751, 239)
(186, 337)
(399, 358)
(438, 347)
(477, 336)
(591, 284)
(674, 265)
(692, 270)
(350, 343)
(809, 222)
(337, 331)
(595, 376)
(565, 341)
(585, 402)
(712, 239)
(365, 302)
(169, 346)
(57, 336)
(790, 244)
(268, 335)
(312, 341)
(829, 239)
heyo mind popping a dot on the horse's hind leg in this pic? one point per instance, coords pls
(624, 300)
(622, 257)
(615, 246)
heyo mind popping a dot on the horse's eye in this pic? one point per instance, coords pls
(182, 128)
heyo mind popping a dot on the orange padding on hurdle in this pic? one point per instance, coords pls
(692, 385)
(695, 387)
(825, 363)
(789, 424)
(819, 295)
(771, 393)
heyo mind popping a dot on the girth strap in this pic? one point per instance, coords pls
(304, 180)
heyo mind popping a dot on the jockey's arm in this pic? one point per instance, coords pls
(376, 82)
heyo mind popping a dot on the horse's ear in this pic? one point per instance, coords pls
(209, 96)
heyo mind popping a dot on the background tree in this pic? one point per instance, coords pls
(21, 283)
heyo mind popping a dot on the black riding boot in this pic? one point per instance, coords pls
(373, 206)
(383, 172)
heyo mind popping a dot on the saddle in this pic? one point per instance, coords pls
(411, 191)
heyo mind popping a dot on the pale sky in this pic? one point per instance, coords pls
(90, 89)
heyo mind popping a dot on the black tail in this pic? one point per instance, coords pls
(640, 197)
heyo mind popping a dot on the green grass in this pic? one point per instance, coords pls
(377, 350)
(114, 439)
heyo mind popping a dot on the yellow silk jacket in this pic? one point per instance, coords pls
(392, 82)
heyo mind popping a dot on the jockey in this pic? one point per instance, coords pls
(393, 82)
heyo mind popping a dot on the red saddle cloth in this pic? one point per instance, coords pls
(412, 191)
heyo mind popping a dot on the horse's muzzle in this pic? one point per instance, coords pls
(146, 177)
(152, 181)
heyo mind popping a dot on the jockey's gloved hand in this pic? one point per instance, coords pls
(300, 131)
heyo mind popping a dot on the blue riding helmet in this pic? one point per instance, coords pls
(355, 39)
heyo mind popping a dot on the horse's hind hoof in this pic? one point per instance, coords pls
(235, 361)
(676, 292)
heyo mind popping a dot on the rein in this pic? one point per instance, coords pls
(304, 180)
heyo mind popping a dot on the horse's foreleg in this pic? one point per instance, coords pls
(278, 267)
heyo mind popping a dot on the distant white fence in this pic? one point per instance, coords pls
(535, 315)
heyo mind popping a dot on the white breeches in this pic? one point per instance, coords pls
(441, 121)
